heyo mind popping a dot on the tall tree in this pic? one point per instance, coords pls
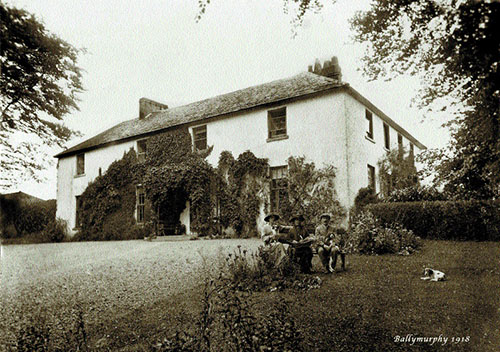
(454, 46)
(39, 83)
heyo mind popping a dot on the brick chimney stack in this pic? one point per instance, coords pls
(330, 68)
(147, 106)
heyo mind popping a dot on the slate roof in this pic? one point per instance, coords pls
(296, 86)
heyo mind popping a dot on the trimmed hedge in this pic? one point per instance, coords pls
(474, 220)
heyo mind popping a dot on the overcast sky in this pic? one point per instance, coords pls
(156, 49)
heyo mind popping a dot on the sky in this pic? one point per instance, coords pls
(157, 49)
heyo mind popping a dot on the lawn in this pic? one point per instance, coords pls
(134, 293)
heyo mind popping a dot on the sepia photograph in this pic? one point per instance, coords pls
(250, 175)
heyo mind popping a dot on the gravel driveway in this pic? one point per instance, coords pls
(101, 276)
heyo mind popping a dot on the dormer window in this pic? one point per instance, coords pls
(200, 137)
(276, 123)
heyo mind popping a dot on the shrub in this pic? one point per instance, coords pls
(55, 230)
(447, 220)
(367, 236)
(415, 194)
(365, 196)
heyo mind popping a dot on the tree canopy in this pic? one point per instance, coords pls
(455, 48)
(39, 83)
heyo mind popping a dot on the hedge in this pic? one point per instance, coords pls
(474, 220)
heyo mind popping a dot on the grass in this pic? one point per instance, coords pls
(134, 293)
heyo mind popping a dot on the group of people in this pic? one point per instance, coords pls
(327, 242)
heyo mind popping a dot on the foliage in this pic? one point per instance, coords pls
(20, 218)
(311, 191)
(55, 230)
(175, 174)
(415, 194)
(365, 196)
(396, 172)
(227, 320)
(241, 190)
(444, 220)
(39, 76)
(454, 45)
(368, 236)
(108, 203)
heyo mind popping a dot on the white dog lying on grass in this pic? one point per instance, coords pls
(433, 275)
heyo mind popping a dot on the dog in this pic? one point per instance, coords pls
(433, 275)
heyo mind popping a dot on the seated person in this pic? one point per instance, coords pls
(298, 238)
(323, 236)
(269, 235)
(330, 244)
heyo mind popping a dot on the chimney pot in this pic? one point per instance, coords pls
(317, 66)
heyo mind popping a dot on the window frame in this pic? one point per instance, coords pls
(387, 136)
(141, 155)
(369, 117)
(275, 189)
(80, 171)
(371, 177)
(400, 143)
(78, 223)
(272, 128)
(140, 207)
(196, 132)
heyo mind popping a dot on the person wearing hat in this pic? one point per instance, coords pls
(270, 234)
(302, 254)
(270, 229)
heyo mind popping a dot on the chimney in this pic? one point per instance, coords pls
(147, 106)
(330, 69)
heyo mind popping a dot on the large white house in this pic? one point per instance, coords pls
(313, 114)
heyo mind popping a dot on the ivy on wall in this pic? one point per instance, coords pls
(107, 206)
(242, 191)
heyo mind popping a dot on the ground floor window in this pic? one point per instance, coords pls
(371, 177)
(78, 209)
(140, 204)
(279, 187)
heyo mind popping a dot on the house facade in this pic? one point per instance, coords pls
(313, 114)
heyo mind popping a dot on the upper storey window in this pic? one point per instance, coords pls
(200, 137)
(387, 137)
(80, 164)
(369, 118)
(141, 149)
(276, 123)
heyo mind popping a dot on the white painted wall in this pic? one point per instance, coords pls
(315, 129)
(326, 129)
(69, 185)
(362, 150)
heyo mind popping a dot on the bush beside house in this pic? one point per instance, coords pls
(473, 220)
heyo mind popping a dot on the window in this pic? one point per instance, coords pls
(100, 172)
(141, 149)
(140, 201)
(369, 131)
(279, 187)
(371, 177)
(200, 137)
(276, 123)
(80, 164)
(400, 144)
(78, 207)
(387, 137)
